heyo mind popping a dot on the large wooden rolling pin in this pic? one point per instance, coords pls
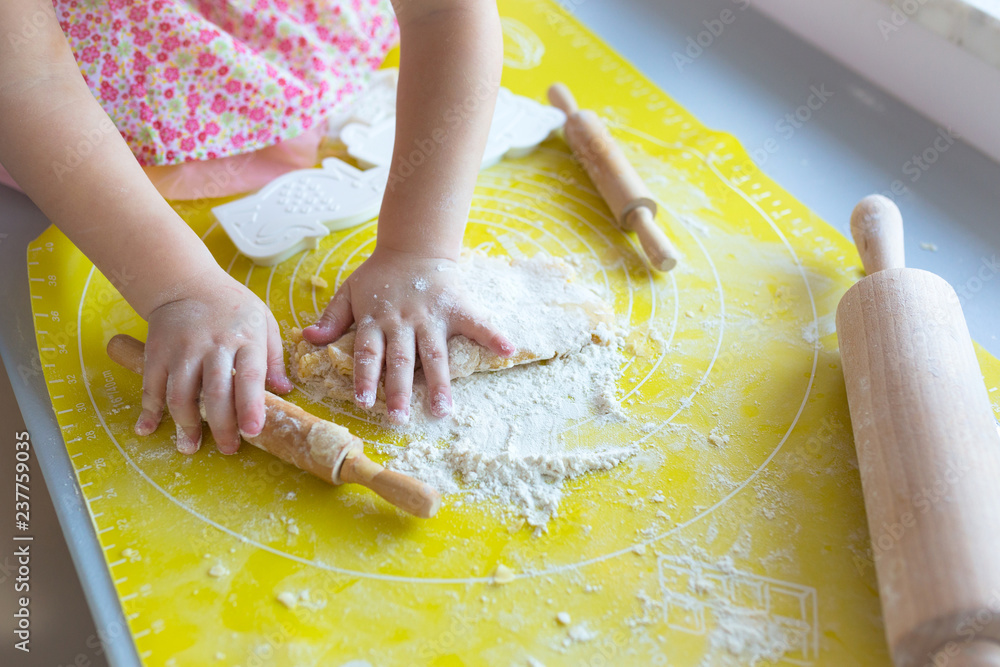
(325, 449)
(928, 451)
(615, 178)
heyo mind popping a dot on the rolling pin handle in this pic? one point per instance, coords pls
(412, 495)
(877, 228)
(127, 352)
(659, 250)
(562, 99)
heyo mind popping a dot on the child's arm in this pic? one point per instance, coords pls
(405, 297)
(60, 146)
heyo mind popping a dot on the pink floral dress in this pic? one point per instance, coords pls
(195, 80)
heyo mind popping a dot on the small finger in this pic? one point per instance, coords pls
(399, 361)
(217, 394)
(154, 389)
(183, 385)
(432, 346)
(369, 348)
(480, 330)
(277, 378)
(251, 368)
(335, 320)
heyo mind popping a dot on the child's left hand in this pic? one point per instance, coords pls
(405, 304)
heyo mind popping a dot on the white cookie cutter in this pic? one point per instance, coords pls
(296, 209)
(519, 125)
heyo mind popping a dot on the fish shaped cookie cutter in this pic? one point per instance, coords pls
(292, 212)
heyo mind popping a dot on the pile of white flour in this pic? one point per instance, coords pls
(506, 440)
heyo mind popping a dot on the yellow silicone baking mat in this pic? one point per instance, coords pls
(738, 535)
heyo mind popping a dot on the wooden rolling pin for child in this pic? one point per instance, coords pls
(616, 179)
(928, 452)
(325, 449)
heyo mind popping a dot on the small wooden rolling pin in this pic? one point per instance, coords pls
(325, 449)
(615, 178)
(928, 452)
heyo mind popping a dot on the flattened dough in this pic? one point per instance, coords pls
(535, 302)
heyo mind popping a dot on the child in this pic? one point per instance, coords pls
(254, 76)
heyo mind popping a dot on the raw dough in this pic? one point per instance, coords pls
(534, 302)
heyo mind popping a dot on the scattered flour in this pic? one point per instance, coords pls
(506, 439)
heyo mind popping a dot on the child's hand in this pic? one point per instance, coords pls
(404, 305)
(217, 339)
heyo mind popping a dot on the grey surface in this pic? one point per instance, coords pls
(755, 72)
(65, 633)
(744, 83)
(55, 590)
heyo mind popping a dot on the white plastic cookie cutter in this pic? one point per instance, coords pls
(519, 125)
(296, 209)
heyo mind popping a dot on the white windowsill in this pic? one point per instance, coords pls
(952, 78)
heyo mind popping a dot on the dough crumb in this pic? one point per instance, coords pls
(288, 599)
(503, 575)
(580, 633)
(562, 618)
(717, 439)
(129, 553)
(219, 655)
(218, 570)
(930, 247)
(318, 282)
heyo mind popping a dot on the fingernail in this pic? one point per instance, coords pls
(188, 442)
(253, 429)
(230, 448)
(441, 405)
(508, 348)
(365, 399)
(144, 425)
(400, 416)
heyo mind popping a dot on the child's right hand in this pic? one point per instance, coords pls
(215, 338)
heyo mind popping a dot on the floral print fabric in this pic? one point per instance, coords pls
(203, 79)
